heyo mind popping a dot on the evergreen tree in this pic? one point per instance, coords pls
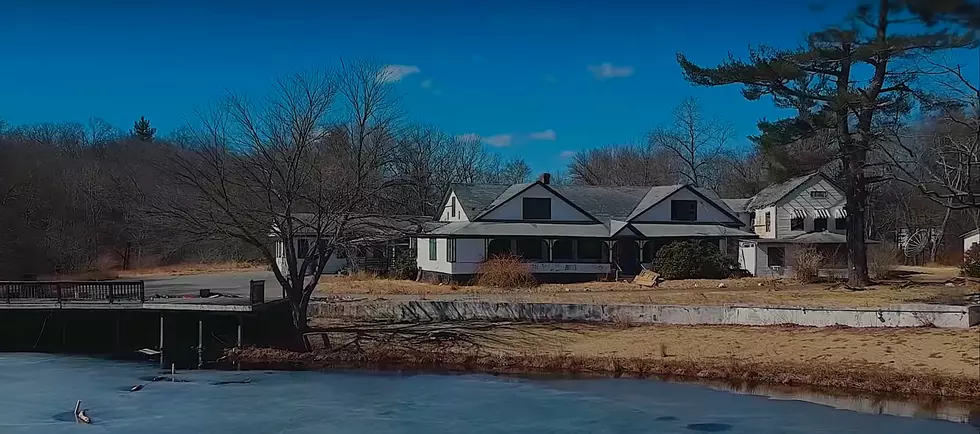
(846, 80)
(143, 131)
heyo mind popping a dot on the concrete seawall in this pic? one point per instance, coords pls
(908, 315)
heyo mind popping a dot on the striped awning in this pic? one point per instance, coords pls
(821, 213)
(799, 213)
(840, 213)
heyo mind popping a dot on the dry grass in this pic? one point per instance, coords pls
(908, 361)
(506, 272)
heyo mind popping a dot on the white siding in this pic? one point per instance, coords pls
(707, 211)
(513, 209)
(447, 214)
(334, 264)
(470, 250)
(802, 200)
(440, 264)
(760, 222)
(968, 242)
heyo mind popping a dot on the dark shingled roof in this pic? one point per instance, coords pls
(476, 198)
(774, 193)
(737, 205)
(604, 203)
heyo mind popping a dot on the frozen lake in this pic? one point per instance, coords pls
(38, 392)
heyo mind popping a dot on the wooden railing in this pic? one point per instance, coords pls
(69, 291)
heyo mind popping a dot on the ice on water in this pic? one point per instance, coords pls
(38, 393)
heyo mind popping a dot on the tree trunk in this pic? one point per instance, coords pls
(856, 192)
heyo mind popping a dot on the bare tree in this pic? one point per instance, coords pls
(697, 143)
(625, 165)
(299, 164)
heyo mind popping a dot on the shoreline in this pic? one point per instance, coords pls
(845, 378)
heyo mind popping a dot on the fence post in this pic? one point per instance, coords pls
(109, 287)
(7, 291)
(142, 294)
(57, 287)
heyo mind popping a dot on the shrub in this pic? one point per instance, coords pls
(971, 262)
(882, 259)
(505, 271)
(693, 260)
(404, 265)
(806, 264)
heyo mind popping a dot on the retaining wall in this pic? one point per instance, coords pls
(909, 315)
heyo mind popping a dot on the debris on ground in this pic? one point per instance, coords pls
(647, 278)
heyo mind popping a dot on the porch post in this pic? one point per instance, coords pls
(639, 254)
(551, 250)
(486, 249)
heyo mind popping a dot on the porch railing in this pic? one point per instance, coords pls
(71, 291)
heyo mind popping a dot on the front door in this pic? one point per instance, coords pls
(626, 254)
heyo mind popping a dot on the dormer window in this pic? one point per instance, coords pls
(684, 210)
(537, 208)
(452, 206)
(818, 194)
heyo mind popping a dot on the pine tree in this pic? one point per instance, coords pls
(143, 131)
(846, 80)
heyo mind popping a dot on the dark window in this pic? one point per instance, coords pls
(432, 249)
(498, 247)
(768, 222)
(451, 250)
(818, 194)
(796, 224)
(777, 256)
(302, 248)
(841, 223)
(685, 210)
(530, 248)
(561, 250)
(820, 224)
(453, 206)
(537, 208)
(590, 250)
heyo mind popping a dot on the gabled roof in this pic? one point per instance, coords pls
(737, 205)
(971, 233)
(604, 203)
(776, 192)
(653, 196)
(476, 198)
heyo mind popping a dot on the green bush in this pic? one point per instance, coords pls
(971, 262)
(693, 260)
(404, 266)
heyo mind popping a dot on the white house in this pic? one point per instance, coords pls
(971, 238)
(570, 233)
(807, 211)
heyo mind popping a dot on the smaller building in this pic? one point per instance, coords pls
(368, 242)
(807, 211)
(971, 238)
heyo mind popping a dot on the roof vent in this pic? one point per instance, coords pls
(545, 178)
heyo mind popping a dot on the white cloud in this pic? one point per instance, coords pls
(427, 83)
(567, 154)
(607, 70)
(499, 140)
(395, 73)
(548, 134)
(468, 137)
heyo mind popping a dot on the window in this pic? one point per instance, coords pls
(820, 224)
(840, 223)
(531, 248)
(796, 224)
(562, 250)
(684, 210)
(818, 194)
(590, 250)
(302, 248)
(768, 221)
(452, 205)
(777, 256)
(537, 208)
(432, 249)
(450, 250)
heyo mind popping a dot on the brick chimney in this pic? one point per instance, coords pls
(545, 178)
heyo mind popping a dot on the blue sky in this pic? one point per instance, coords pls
(539, 79)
